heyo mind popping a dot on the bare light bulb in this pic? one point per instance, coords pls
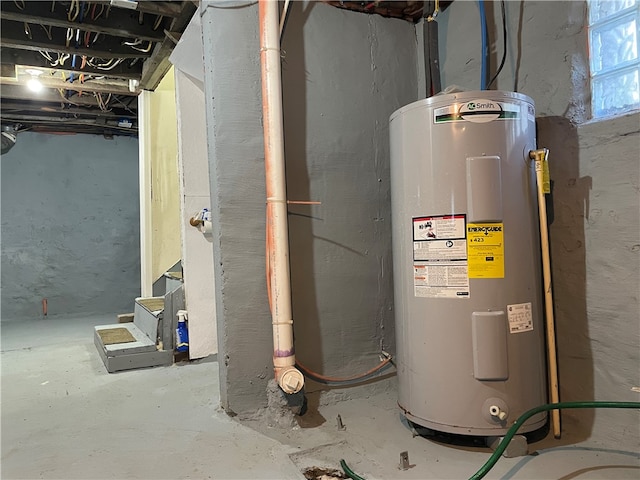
(34, 85)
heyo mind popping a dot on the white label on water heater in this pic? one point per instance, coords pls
(440, 250)
(520, 317)
(440, 264)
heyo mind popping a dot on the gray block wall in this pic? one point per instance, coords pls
(595, 243)
(70, 225)
(337, 102)
(594, 209)
(236, 172)
(546, 52)
(343, 74)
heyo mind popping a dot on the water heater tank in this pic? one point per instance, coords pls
(468, 300)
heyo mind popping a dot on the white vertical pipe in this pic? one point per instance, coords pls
(279, 281)
(144, 162)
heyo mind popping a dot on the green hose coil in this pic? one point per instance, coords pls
(493, 459)
(530, 413)
(348, 472)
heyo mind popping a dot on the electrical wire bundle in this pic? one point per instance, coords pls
(485, 80)
(86, 13)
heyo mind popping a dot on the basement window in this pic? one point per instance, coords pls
(614, 31)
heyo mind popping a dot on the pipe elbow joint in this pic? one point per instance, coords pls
(539, 155)
(289, 379)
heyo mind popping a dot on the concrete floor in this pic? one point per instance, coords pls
(64, 416)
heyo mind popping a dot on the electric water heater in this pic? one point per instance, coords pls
(467, 273)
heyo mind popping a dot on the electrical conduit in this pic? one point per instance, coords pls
(278, 276)
(484, 74)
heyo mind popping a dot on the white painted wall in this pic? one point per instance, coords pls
(144, 177)
(193, 164)
(197, 249)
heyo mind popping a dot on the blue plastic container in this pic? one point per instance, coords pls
(182, 333)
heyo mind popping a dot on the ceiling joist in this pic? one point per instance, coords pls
(158, 65)
(412, 10)
(121, 23)
(67, 109)
(59, 123)
(167, 9)
(35, 46)
(91, 85)
(118, 49)
(10, 56)
(12, 94)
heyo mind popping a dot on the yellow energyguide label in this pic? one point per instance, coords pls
(485, 250)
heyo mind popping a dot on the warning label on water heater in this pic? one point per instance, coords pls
(440, 267)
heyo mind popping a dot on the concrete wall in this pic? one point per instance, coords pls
(595, 239)
(337, 102)
(70, 227)
(610, 167)
(236, 170)
(547, 52)
(594, 209)
(344, 74)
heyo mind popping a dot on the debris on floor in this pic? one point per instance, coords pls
(278, 413)
(321, 473)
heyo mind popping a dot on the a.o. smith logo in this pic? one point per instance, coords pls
(480, 111)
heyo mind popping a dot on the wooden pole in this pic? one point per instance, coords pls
(540, 159)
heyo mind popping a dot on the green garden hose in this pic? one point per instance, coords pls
(348, 472)
(530, 413)
(515, 427)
